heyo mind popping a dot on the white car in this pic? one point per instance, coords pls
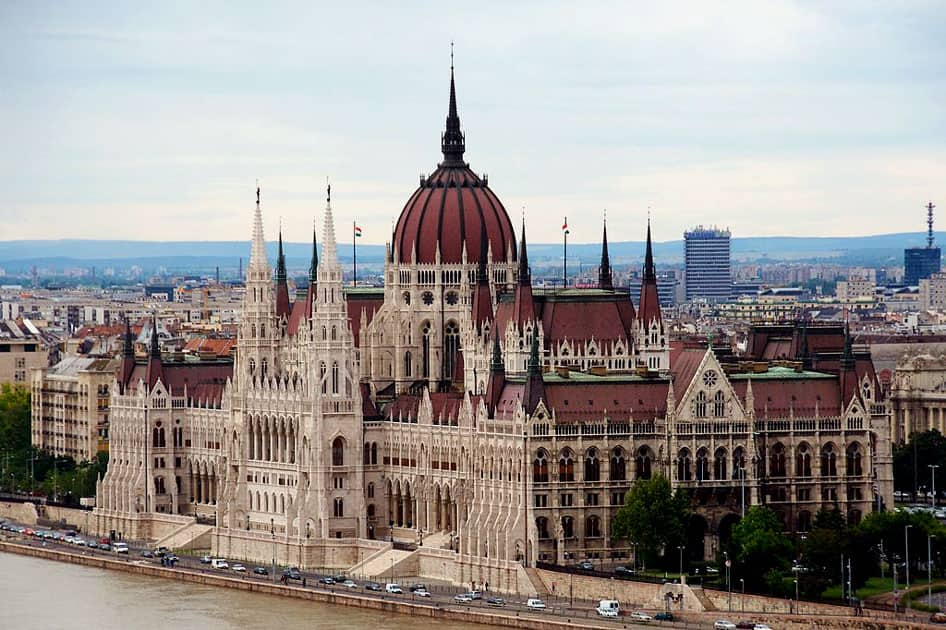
(349, 584)
(463, 598)
(724, 624)
(640, 616)
(239, 567)
(422, 592)
(536, 604)
(120, 547)
(761, 626)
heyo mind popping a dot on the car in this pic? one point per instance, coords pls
(105, 547)
(261, 571)
(147, 553)
(292, 573)
(664, 616)
(418, 587)
(120, 547)
(463, 598)
(69, 539)
(93, 544)
(394, 589)
(327, 580)
(724, 624)
(205, 559)
(712, 571)
(624, 571)
(422, 592)
(586, 565)
(608, 608)
(219, 563)
(746, 625)
(160, 552)
(171, 559)
(535, 604)
(938, 617)
(373, 586)
(640, 616)
(349, 583)
(239, 568)
(761, 626)
(496, 602)
(104, 540)
(475, 595)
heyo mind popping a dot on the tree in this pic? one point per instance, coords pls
(911, 461)
(759, 545)
(14, 433)
(829, 540)
(654, 517)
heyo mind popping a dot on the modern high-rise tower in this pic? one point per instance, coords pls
(708, 272)
(922, 262)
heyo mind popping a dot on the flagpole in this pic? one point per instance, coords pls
(354, 259)
(565, 258)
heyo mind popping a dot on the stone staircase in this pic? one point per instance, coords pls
(379, 565)
(537, 583)
(437, 540)
(707, 603)
(189, 536)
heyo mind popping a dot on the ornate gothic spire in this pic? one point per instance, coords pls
(283, 307)
(648, 308)
(314, 264)
(497, 377)
(482, 298)
(280, 260)
(329, 250)
(535, 387)
(524, 306)
(453, 142)
(605, 276)
(129, 348)
(650, 272)
(155, 350)
(258, 249)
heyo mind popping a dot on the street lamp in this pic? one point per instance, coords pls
(680, 549)
(906, 553)
(742, 583)
(933, 468)
(796, 596)
(729, 582)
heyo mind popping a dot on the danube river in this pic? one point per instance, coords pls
(49, 595)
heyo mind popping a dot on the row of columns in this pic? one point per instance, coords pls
(267, 443)
(203, 488)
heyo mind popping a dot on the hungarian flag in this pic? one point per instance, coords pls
(565, 226)
(357, 232)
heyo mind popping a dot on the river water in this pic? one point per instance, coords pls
(48, 595)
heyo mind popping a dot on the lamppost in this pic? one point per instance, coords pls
(933, 468)
(680, 549)
(796, 595)
(742, 583)
(906, 553)
(272, 533)
(729, 581)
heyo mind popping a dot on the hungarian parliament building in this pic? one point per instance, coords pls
(478, 423)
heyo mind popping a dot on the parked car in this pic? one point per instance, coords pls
(535, 604)
(339, 578)
(239, 568)
(463, 598)
(664, 616)
(373, 586)
(261, 571)
(586, 565)
(422, 592)
(476, 594)
(624, 572)
(496, 602)
(712, 571)
(724, 624)
(394, 589)
(640, 616)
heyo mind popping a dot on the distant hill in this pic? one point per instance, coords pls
(19, 256)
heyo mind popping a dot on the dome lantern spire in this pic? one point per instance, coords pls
(453, 142)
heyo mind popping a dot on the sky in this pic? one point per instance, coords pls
(128, 121)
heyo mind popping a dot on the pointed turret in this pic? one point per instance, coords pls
(524, 307)
(283, 307)
(128, 355)
(155, 369)
(497, 377)
(648, 308)
(482, 298)
(329, 247)
(453, 142)
(258, 248)
(535, 387)
(750, 400)
(605, 276)
(313, 275)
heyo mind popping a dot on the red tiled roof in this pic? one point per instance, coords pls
(370, 304)
(777, 398)
(203, 381)
(217, 347)
(589, 402)
(684, 363)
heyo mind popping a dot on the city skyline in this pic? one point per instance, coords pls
(127, 125)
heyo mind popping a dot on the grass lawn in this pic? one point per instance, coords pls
(874, 586)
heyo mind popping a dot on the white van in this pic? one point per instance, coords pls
(219, 563)
(120, 547)
(394, 589)
(608, 608)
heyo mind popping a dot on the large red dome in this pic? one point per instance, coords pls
(451, 208)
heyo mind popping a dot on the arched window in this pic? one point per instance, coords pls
(324, 333)
(540, 467)
(701, 405)
(643, 463)
(829, 463)
(719, 464)
(334, 377)
(853, 464)
(803, 461)
(702, 465)
(566, 466)
(719, 405)
(339, 509)
(338, 451)
(262, 330)
(618, 465)
(777, 460)
(542, 526)
(370, 490)
(252, 364)
(592, 465)
(739, 463)
(367, 454)
(264, 368)
(683, 465)
(425, 350)
(803, 524)
(374, 453)
(322, 371)
(592, 527)
(451, 348)
(408, 364)
(371, 510)
(568, 527)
